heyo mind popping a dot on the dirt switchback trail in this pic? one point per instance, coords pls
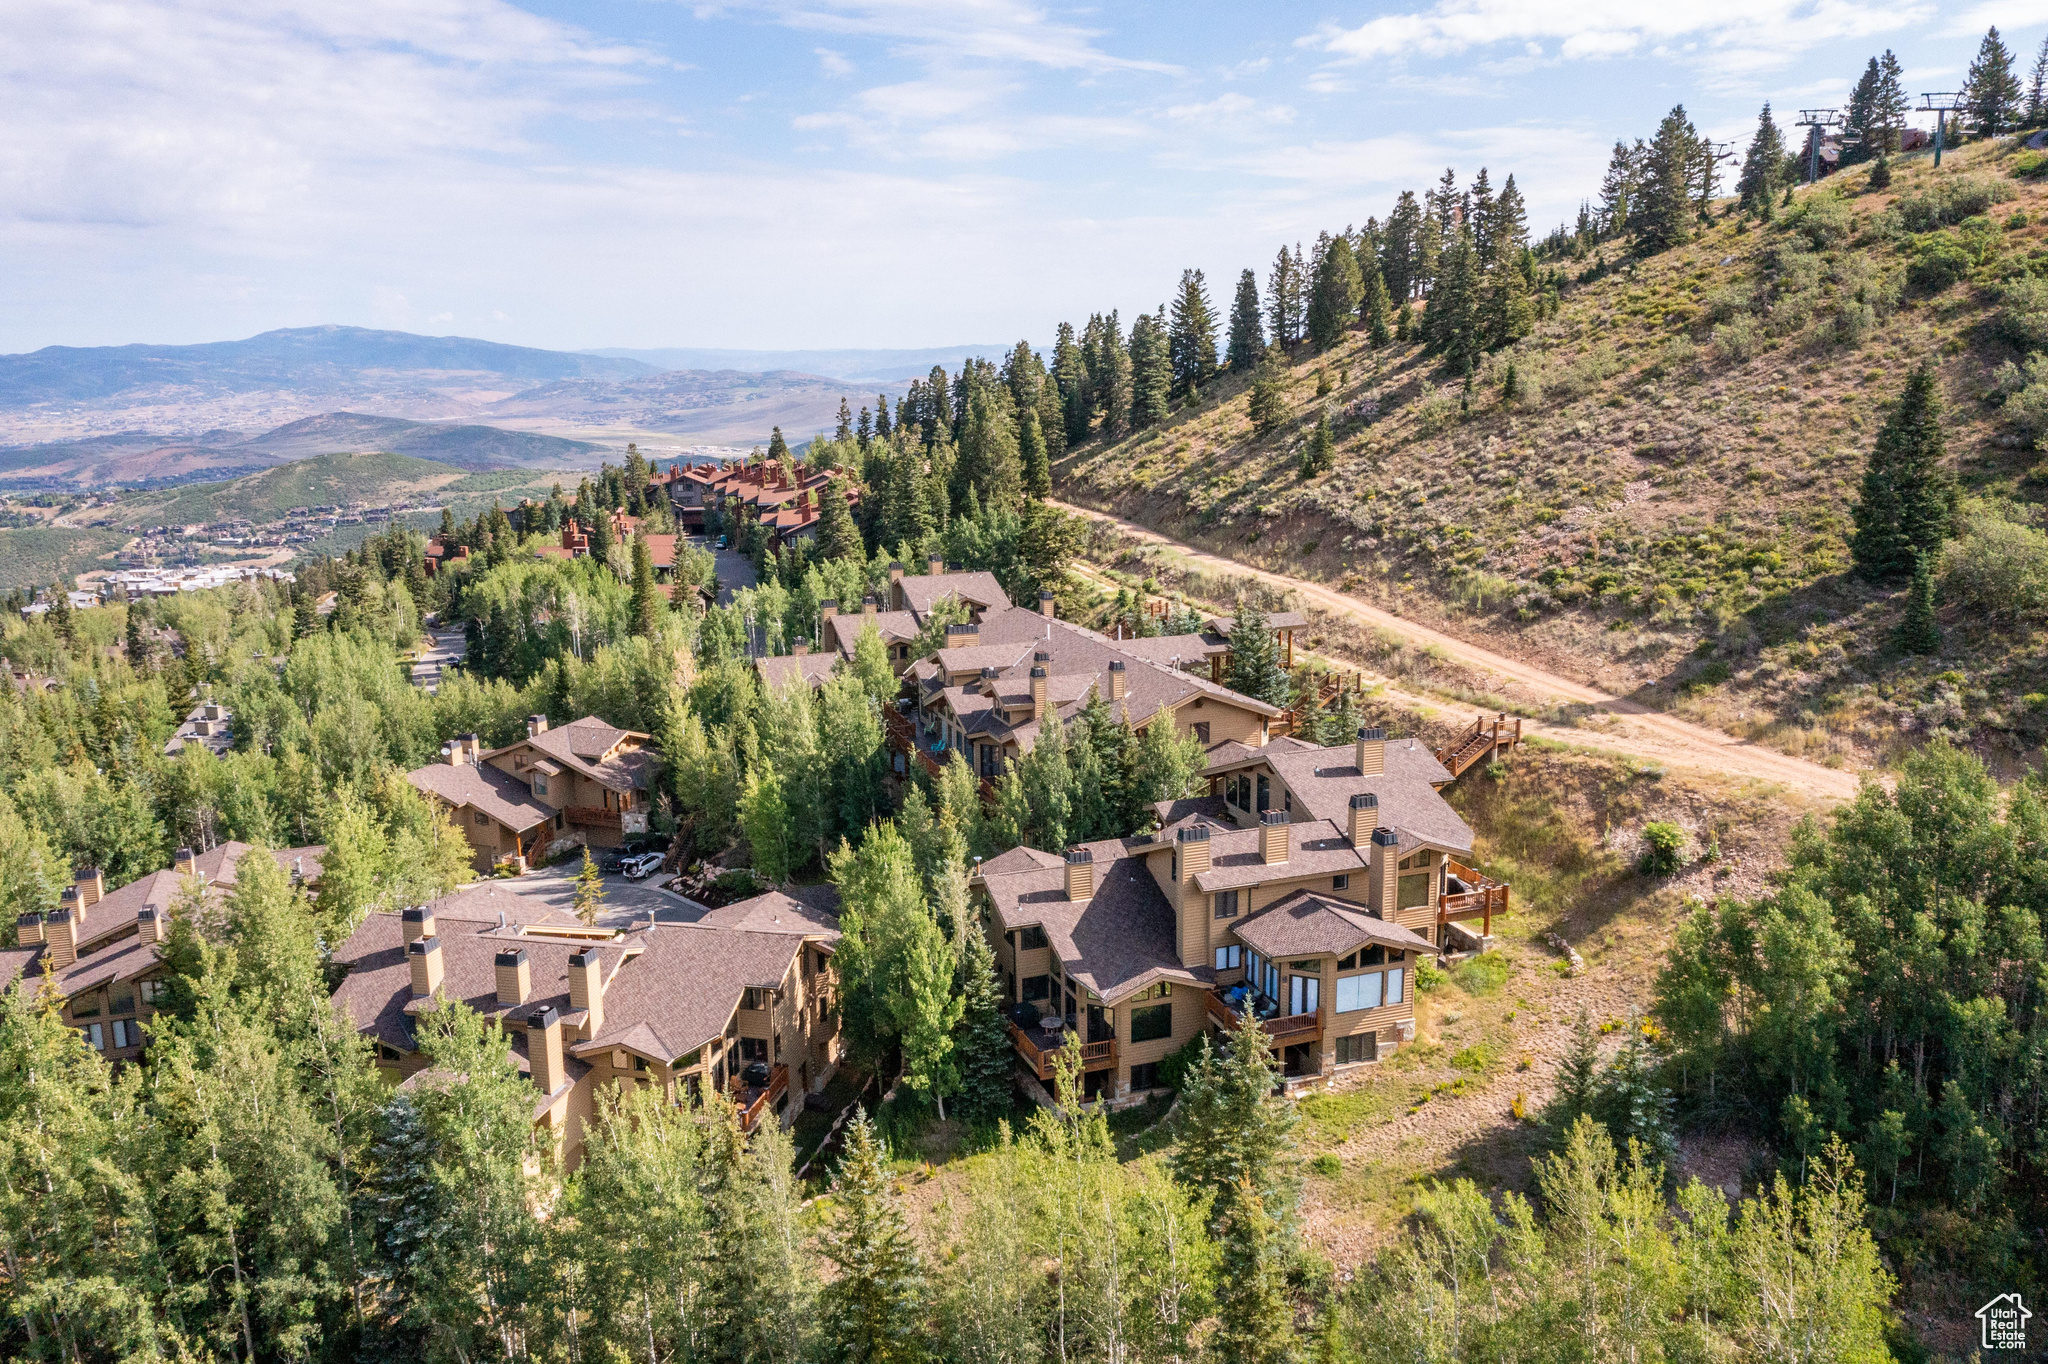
(1630, 727)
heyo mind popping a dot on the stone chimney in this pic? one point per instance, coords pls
(935, 565)
(515, 977)
(800, 648)
(418, 922)
(1193, 843)
(586, 990)
(185, 863)
(1273, 836)
(536, 725)
(1365, 817)
(150, 926)
(1045, 605)
(28, 930)
(1080, 875)
(544, 1050)
(1371, 753)
(827, 610)
(424, 957)
(61, 933)
(895, 573)
(868, 605)
(91, 887)
(1038, 693)
(1117, 683)
(962, 636)
(1385, 862)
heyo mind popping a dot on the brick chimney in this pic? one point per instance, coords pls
(1365, 817)
(92, 886)
(1080, 875)
(1385, 869)
(544, 1050)
(1117, 679)
(1371, 752)
(1193, 845)
(424, 957)
(70, 899)
(935, 565)
(418, 922)
(61, 933)
(150, 926)
(1045, 605)
(28, 930)
(185, 863)
(586, 990)
(536, 725)
(515, 977)
(827, 610)
(1038, 693)
(1273, 836)
(962, 636)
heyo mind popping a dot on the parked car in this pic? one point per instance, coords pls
(646, 864)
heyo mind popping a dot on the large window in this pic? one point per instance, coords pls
(1145, 1076)
(1152, 1023)
(1304, 994)
(1037, 988)
(1362, 1047)
(1413, 892)
(1226, 904)
(1031, 939)
(1229, 958)
(1358, 992)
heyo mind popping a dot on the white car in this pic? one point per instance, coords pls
(646, 864)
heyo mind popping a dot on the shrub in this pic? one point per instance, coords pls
(1737, 340)
(1483, 974)
(1428, 975)
(2022, 315)
(1173, 1070)
(1327, 1165)
(1965, 196)
(1938, 263)
(1436, 412)
(1853, 322)
(1663, 848)
(1730, 301)
(1997, 570)
(2025, 413)
(1822, 219)
(2029, 165)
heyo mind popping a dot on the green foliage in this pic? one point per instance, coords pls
(1997, 570)
(1268, 401)
(873, 1310)
(1483, 974)
(1908, 496)
(1254, 668)
(1664, 847)
(1920, 632)
(1938, 262)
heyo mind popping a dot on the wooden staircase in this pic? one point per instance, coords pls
(1485, 738)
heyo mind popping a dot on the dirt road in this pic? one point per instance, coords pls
(1615, 723)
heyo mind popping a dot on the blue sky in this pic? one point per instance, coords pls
(821, 172)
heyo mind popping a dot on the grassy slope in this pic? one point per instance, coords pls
(41, 555)
(1657, 516)
(326, 479)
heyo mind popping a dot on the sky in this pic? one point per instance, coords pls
(813, 173)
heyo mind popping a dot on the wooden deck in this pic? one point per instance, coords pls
(1484, 739)
(1039, 1060)
(1487, 898)
(1293, 1027)
(753, 1103)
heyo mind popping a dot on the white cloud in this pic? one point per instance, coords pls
(1771, 31)
(833, 63)
(961, 30)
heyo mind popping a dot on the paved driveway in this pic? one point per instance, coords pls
(625, 902)
(735, 570)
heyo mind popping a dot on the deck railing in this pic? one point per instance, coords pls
(1487, 897)
(1486, 735)
(1284, 1028)
(1094, 1055)
(764, 1100)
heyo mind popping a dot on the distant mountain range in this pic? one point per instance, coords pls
(857, 365)
(133, 414)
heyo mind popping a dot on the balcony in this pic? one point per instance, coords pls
(753, 1102)
(1481, 898)
(1285, 1030)
(1038, 1059)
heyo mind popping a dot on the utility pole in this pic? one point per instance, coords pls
(1815, 121)
(1941, 103)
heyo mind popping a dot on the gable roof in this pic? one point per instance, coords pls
(922, 592)
(592, 747)
(498, 794)
(782, 671)
(1315, 848)
(776, 912)
(1307, 924)
(1323, 781)
(682, 987)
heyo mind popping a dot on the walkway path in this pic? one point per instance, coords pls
(1624, 726)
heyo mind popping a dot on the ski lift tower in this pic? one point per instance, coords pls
(1941, 103)
(1816, 122)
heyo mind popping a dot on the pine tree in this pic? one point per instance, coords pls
(1336, 291)
(1151, 371)
(2037, 88)
(1757, 186)
(1374, 308)
(1254, 668)
(1890, 109)
(1633, 1103)
(1661, 217)
(1247, 330)
(1881, 172)
(873, 1311)
(1991, 91)
(1578, 1078)
(980, 1041)
(1037, 468)
(1070, 373)
(1110, 375)
(1268, 404)
(778, 448)
(1857, 122)
(1908, 495)
(1920, 632)
(589, 891)
(1617, 191)
(882, 427)
(647, 598)
(1192, 336)
(838, 538)
(1255, 1320)
(1320, 452)
(1451, 324)
(1281, 288)
(61, 619)
(1401, 262)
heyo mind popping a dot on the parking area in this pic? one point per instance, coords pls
(625, 902)
(735, 570)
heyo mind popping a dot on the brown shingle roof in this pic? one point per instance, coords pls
(682, 988)
(1315, 848)
(922, 592)
(500, 795)
(776, 912)
(377, 991)
(786, 670)
(1323, 781)
(1306, 924)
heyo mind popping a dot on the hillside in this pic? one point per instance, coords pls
(727, 406)
(877, 365)
(268, 494)
(1665, 510)
(41, 555)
